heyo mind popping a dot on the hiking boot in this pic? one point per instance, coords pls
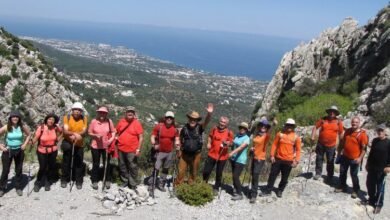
(377, 210)
(252, 200)
(237, 197)
(19, 192)
(95, 186)
(161, 187)
(215, 192)
(108, 185)
(79, 186)
(151, 192)
(47, 187)
(264, 193)
(317, 177)
(279, 193)
(2, 193)
(354, 195)
(36, 188)
(124, 184)
(63, 184)
(329, 180)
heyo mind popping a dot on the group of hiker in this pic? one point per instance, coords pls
(125, 141)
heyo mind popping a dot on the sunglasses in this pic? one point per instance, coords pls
(169, 118)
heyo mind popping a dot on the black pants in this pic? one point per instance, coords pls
(47, 163)
(346, 164)
(257, 165)
(128, 168)
(6, 159)
(208, 168)
(330, 155)
(283, 167)
(78, 168)
(375, 187)
(96, 155)
(236, 170)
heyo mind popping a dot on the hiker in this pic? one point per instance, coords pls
(285, 155)
(238, 158)
(164, 137)
(354, 146)
(259, 149)
(331, 129)
(102, 133)
(378, 166)
(130, 139)
(191, 140)
(218, 142)
(47, 135)
(75, 128)
(17, 136)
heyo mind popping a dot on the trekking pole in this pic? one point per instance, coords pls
(154, 178)
(30, 162)
(219, 158)
(171, 192)
(105, 170)
(71, 167)
(380, 194)
(251, 157)
(309, 163)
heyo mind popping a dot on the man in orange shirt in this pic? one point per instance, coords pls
(355, 142)
(219, 140)
(331, 128)
(285, 154)
(130, 139)
(260, 141)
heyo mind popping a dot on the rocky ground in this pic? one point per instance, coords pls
(317, 201)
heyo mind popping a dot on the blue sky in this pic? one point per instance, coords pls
(303, 19)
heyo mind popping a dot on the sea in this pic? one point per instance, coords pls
(226, 53)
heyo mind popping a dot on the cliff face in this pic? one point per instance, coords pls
(29, 82)
(347, 51)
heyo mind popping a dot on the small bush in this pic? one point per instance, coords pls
(326, 52)
(15, 50)
(4, 51)
(290, 100)
(18, 94)
(4, 80)
(61, 104)
(14, 73)
(196, 194)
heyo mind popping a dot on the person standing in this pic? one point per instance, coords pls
(378, 166)
(285, 155)
(238, 158)
(191, 144)
(164, 137)
(17, 136)
(102, 132)
(259, 149)
(354, 146)
(130, 139)
(218, 142)
(75, 128)
(331, 131)
(47, 135)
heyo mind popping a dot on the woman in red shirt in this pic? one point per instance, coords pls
(47, 136)
(102, 131)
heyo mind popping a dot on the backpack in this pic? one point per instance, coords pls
(192, 144)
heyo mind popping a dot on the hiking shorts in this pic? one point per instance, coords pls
(163, 160)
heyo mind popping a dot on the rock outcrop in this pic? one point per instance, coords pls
(29, 82)
(348, 51)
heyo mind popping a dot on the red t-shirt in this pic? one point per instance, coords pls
(47, 139)
(165, 137)
(128, 141)
(217, 137)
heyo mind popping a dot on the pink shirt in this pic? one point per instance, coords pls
(102, 128)
(47, 139)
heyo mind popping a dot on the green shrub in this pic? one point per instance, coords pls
(291, 99)
(4, 51)
(47, 84)
(25, 75)
(326, 52)
(15, 50)
(4, 80)
(18, 94)
(382, 115)
(14, 73)
(61, 104)
(350, 88)
(9, 42)
(196, 194)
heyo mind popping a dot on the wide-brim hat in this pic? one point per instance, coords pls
(333, 108)
(290, 121)
(130, 109)
(102, 109)
(15, 114)
(243, 125)
(265, 123)
(51, 115)
(194, 115)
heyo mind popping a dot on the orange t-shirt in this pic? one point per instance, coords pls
(285, 148)
(47, 139)
(75, 126)
(217, 137)
(260, 145)
(128, 140)
(354, 141)
(329, 131)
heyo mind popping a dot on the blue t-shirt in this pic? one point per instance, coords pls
(242, 156)
(14, 139)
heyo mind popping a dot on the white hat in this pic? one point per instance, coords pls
(77, 105)
(290, 121)
(169, 114)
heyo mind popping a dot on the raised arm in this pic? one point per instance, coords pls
(209, 109)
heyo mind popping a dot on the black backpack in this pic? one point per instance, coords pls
(192, 143)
